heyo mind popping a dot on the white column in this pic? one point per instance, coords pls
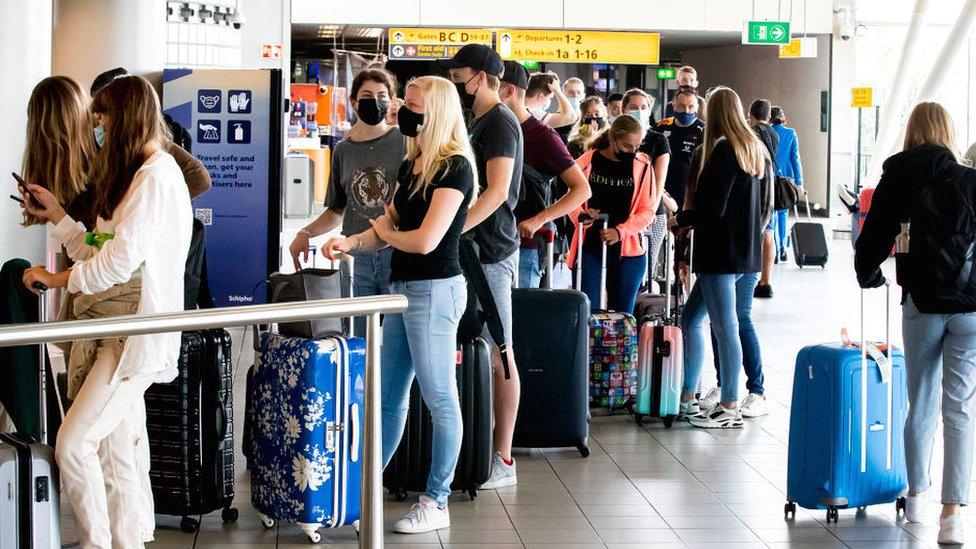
(891, 118)
(92, 36)
(25, 59)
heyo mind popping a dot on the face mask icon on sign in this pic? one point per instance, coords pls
(209, 101)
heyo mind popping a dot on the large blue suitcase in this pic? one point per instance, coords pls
(307, 416)
(846, 447)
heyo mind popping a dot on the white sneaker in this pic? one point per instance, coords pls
(754, 406)
(502, 474)
(688, 410)
(952, 530)
(919, 509)
(719, 418)
(424, 516)
(711, 398)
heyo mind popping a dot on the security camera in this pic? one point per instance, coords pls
(846, 26)
(237, 19)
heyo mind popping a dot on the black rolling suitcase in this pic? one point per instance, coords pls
(551, 333)
(809, 241)
(191, 432)
(30, 506)
(410, 465)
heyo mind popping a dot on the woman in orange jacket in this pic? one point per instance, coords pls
(622, 182)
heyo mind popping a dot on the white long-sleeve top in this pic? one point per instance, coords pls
(152, 225)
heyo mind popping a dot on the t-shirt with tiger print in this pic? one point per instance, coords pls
(363, 177)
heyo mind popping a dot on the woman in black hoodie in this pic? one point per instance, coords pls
(924, 204)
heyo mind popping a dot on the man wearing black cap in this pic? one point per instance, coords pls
(546, 157)
(496, 139)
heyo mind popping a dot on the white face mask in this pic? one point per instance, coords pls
(538, 113)
(643, 116)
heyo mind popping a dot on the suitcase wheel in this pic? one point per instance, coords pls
(584, 450)
(229, 515)
(189, 525)
(312, 534)
(267, 522)
(900, 505)
(400, 495)
(668, 421)
(639, 419)
(833, 515)
(473, 493)
(789, 510)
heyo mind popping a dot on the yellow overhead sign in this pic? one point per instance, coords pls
(862, 98)
(440, 36)
(566, 46)
(799, 48)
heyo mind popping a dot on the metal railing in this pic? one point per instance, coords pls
(371, 519)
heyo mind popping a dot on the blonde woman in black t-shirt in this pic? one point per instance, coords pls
(423, 225)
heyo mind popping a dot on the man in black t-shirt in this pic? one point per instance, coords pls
(496, 138)
(685, 132)
(759, 120)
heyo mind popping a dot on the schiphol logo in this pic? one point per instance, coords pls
(234, 298)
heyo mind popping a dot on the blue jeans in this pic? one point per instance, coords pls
(371, 276)
(727, 300)
(530, 275)
(624, 277)
(422, 342)
(751, 354)
(940, 360)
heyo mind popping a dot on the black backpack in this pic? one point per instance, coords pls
(942, 241)
(535, 194)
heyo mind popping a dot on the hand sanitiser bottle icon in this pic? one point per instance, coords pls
(238, 133)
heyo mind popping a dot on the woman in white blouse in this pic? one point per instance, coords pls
(141, 198)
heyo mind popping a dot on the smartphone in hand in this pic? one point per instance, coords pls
(23, 187)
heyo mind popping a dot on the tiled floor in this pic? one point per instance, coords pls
(647, 487)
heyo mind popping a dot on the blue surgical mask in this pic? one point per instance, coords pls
(643, 116)
(685, 118)
(100, 136)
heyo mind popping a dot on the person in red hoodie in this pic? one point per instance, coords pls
(622, 182)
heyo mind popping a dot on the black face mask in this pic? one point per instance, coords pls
(467, 99)
(372, 111)
(595, 121)
(624, 156)
(410, 123)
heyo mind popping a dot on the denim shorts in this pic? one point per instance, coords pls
(501, 279)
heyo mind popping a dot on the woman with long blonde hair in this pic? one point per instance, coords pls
(726, 216)
(924, 203)
(435, 186)
(60, 144)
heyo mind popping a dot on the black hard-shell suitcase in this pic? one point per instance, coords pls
(809, 242)
(410, 465)
(551, 333)
(30, 510)
(191, 432)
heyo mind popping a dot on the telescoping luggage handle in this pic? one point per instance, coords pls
(605, 220)
(549, 237)
(42, 363)
(796, 210)
(885, 368)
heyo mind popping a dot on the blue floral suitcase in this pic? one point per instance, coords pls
(307, 417)
(846, 444)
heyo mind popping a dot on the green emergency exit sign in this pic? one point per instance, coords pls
(665, 73)
(766, 32)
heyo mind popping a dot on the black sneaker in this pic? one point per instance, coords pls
(763, 291)
(782, 256)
